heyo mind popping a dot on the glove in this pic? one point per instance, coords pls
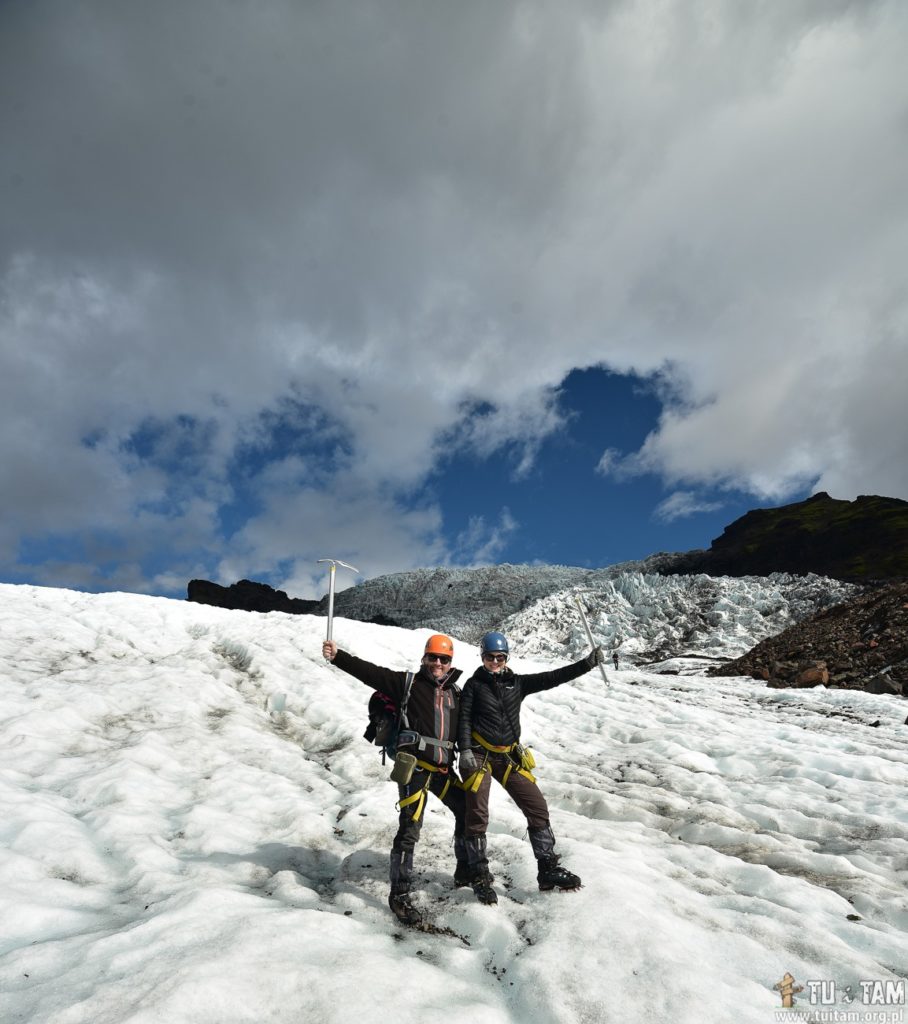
(468, 764)
(595, 657)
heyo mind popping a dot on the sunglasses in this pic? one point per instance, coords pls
(445, 659)
(497, 658)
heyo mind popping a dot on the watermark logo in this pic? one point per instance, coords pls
(868, 1002)
(788, 988)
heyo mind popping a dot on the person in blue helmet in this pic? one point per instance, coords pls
(489, 744)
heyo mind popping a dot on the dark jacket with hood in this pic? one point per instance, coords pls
(433, 705)
(490, 703)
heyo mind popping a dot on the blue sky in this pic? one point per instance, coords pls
(563, 509)
(440, 287)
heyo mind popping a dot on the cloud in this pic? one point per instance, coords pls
(610, 463)
(413, 225)
(521, 422)
(681, 505)
(297, 525)
(481, 543)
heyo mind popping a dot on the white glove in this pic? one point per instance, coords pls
(468, 764)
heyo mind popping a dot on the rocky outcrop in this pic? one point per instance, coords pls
(248, 596)
(860, 644)
(861, 540)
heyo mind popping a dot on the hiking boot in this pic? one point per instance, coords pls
(552, 876)
(463, 875)
(402, 906)
(482, 887)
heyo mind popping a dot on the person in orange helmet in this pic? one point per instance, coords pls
(431, 728)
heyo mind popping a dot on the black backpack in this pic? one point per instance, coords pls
(386, 719)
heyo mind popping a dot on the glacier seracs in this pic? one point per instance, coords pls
(649, 619)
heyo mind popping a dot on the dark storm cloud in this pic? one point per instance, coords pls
(211, 210)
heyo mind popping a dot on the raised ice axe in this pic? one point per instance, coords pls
(589, 634)
(335, 562)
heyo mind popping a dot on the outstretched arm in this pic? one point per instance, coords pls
(539, 681)
(385, 680)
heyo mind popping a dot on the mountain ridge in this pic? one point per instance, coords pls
(856, 541)
(861, 541)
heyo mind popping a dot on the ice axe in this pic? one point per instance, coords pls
(589, 634)
(335, 562)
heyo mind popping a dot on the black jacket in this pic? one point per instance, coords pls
(432, 707)
(490, 703)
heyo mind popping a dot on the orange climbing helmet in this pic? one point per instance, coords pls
(438, 643)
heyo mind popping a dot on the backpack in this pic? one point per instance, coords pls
(386, 719)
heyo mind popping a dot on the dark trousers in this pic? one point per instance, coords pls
(408, 829)
(524, 793)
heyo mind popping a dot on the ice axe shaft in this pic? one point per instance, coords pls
(334, 563)
(589, 635)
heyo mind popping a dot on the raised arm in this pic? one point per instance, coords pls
(385, 680)
(538, 681)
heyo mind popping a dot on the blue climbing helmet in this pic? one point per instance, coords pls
(494, 642)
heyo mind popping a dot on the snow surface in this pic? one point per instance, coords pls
(193, 830)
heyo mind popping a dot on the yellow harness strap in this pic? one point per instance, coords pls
(420, 794)
(513, 766)
(506, 749)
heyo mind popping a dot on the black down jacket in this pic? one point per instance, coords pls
(490, 703)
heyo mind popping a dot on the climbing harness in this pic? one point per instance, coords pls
(520, 759)
(419, 797)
